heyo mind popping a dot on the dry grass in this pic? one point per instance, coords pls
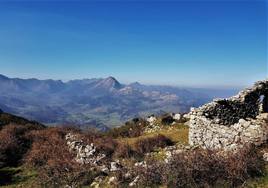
(177, 133)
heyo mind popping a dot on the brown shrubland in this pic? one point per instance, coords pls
(49, 154)
(201, 168)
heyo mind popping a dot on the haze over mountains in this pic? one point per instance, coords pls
(100, 103)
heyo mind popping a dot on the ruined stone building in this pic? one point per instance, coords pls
(230, 123)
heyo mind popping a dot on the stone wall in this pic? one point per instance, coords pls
(88, 154)
(229, 123)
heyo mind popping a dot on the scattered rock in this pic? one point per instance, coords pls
(115, 166)
(141, 164)
(111, 180)
(151, 119)
(134, 182)
(177, 117)
(127, 175)
(265, 157)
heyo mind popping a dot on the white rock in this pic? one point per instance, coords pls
(141, 164)
(134, 182)
(177, 117)
(127, 175)
(111, 180)
(151, 119)
(187, 116)
(115, 166)
(265, 157)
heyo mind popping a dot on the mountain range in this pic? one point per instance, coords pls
(99, 102)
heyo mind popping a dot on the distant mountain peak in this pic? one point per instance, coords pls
(135, 84)
(111, 78)
(109, 83)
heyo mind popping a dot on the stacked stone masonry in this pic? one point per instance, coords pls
(230, 123)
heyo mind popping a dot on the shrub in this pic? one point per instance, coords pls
(49, 154)
(245, 164)
(148, 144)
(132, 128)
(46, 145)
(104, 144)
(13, 144)
(167, 119)
(123, 151)
(201, 168)
(59, 173)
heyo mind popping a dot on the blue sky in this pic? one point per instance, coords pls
(185, 43)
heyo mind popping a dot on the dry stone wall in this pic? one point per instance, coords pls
(88, 154)
(230, 123)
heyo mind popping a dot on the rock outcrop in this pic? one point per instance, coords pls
(230, 123)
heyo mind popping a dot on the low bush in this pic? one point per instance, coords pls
(123, 151)
(131, 129)
(200, 168)
(13, 144)
(46, 145)
(49, 154)
(148, 144)
(167, 119)
(104, 144)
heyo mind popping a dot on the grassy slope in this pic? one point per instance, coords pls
(177, 133)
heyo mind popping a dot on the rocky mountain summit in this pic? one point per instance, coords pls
(109, 83)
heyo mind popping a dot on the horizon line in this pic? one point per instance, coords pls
(191, 86)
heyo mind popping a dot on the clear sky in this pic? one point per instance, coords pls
(193, 43)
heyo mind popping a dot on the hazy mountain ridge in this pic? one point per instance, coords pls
(91, 102)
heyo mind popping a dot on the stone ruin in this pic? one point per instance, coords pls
(233, 122)
(85, 154)
(88, 154)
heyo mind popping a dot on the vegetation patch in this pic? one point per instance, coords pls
(18, 177)
(200, 168)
